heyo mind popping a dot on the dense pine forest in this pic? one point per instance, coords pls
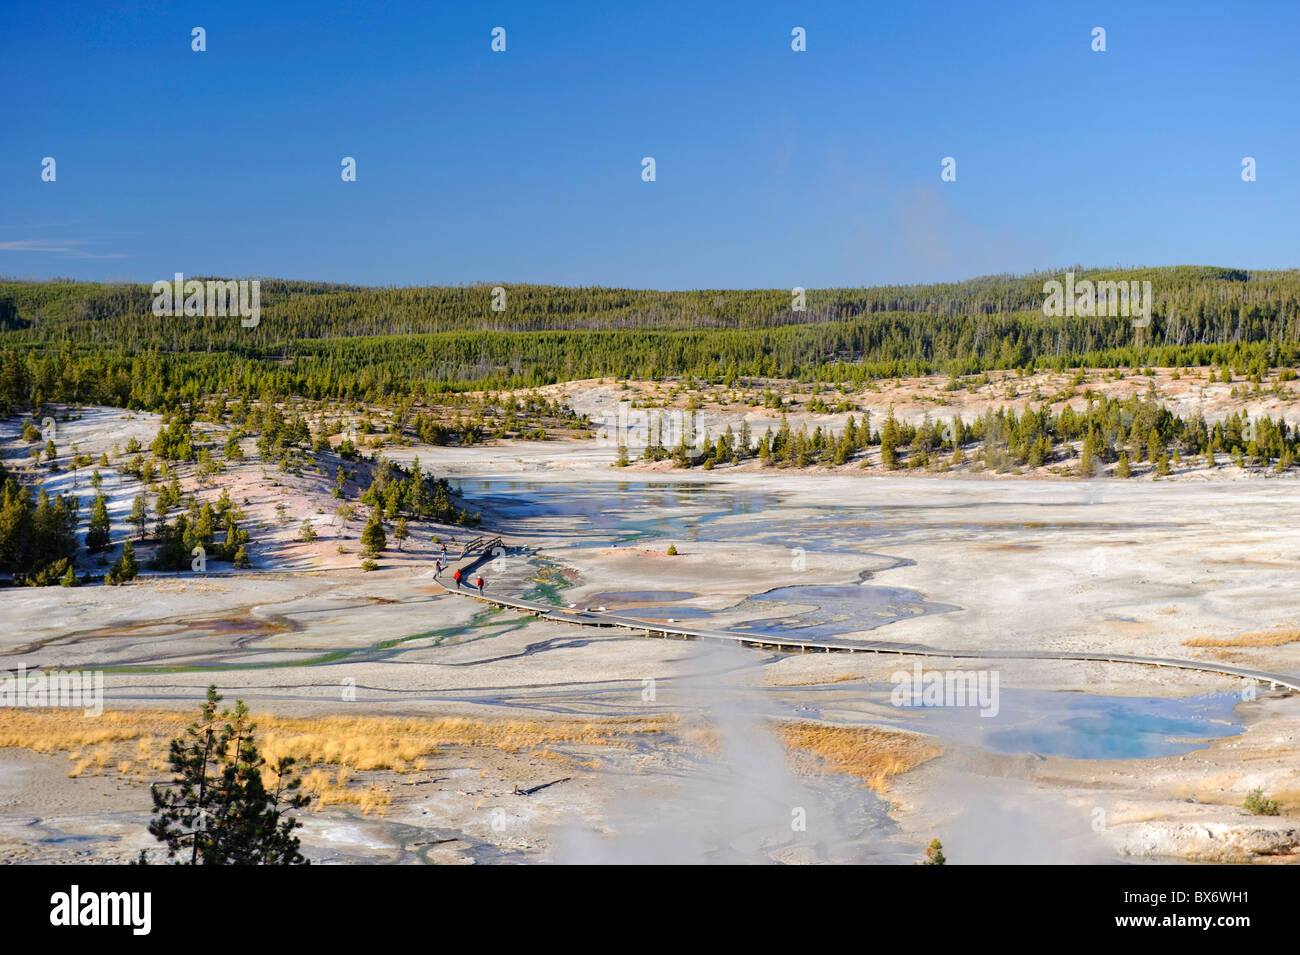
(84, 342)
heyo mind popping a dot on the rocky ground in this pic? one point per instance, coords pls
(1015, 565)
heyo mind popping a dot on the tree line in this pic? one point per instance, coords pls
(1121, 431)
(85, 342)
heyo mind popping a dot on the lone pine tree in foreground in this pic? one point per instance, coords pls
(217, 810)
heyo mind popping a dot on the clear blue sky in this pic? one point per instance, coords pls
(774, 168)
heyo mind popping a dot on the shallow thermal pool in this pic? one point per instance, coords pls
(1086, 726)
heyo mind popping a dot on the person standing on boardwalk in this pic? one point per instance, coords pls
(456, 577)
(437, 566)
(480, 584)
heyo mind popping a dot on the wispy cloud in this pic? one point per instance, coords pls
(64, 248)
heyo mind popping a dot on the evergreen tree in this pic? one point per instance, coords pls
(1155, 446)
(217, 810)
(889, 438)
(373, 539)
(1088, 460)
(126, 567)
(139, 514)
(97, 535)
(130, 566)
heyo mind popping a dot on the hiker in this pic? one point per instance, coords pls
(437, 566)
(480, 584)
(456, 577)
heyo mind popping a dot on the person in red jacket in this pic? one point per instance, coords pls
(480, 584)
(456, 577)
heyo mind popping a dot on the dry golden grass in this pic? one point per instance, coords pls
(1271, 638)
(1288, 801)
(870, 754)
(1123, 818)
(327, 792)
(369, 742)
(135, 742)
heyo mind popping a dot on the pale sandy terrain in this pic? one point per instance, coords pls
(1003, 565)
(913, 399)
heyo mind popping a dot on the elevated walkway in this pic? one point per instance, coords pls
(787, 643)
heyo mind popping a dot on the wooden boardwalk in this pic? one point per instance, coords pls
(587, 617)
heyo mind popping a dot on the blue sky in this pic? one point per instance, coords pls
(774, 168)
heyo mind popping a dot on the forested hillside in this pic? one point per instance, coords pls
(74, 341)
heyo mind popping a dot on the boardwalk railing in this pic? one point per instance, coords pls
(595, 618)
(482, 543)
(484, 547)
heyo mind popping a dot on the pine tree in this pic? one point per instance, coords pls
(97, 535)
(1091, 451)
(844, 447)
(139, 514)
(682, 455)
(1155, 446)
(217, 810)
(400, 532)
(889, 438)
(373, 539)
(130, 566)
(126, 567)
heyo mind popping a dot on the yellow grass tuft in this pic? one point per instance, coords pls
(870, 754)
(1288, 801)
(1271, 638)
